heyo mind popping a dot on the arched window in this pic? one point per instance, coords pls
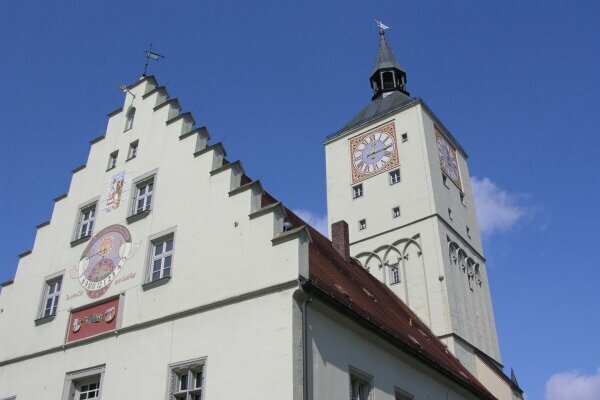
(130, 117)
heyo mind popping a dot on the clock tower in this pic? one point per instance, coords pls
(400, 180)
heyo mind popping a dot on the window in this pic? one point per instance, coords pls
(360, 385)
(450, 214)
(394, 176)
(405, 137)
(162, 258)
(186, 380)
(133, 147)
(445, 180)
(85, 384)
(395, 212)
(357, 191)
(85, 224)
(462, 199)
(129, 119)
(143, 196)
(112, 160)
(469, 232)
(394, 274)
(51, 296)
(362, 224)
(402, 395)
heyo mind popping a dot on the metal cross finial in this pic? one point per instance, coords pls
(382, 27)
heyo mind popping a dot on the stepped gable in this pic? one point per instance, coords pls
(354, 289)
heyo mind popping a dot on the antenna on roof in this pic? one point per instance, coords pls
(151, 55)
(382, 27)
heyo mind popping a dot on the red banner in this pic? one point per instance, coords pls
(93, 320)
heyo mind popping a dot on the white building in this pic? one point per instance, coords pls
(166, 272)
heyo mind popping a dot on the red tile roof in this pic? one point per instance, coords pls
(355, 291)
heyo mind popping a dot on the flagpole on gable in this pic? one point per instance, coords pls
(150, 55)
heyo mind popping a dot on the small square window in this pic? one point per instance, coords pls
(112, 160)
(394, 274)
(51, 296)
(133, 148)
(186, 380)
(161, 260)
(404, 137)
(394, 176)
(395, 212)
(462, 199)
(85, 224)
(143, 196)
(357, 191)
(362, 224)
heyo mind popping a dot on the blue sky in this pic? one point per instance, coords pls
(516, 82)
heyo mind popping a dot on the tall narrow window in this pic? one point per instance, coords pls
(86, 221)
(357, 191)
(143, 196)
(51, 296)
(395, 212)
(360, 386)
(462, 199)
(133, 148)
(112, 160)
(129, 119)
(394, 176)
(162, 258)
(394, 274)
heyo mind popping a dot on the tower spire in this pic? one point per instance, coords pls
(387, 74)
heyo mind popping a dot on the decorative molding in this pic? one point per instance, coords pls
(459, 257)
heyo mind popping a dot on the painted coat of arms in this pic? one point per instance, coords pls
(115, 191)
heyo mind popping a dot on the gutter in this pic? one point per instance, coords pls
(306, 287)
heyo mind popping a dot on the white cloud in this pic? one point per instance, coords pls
(497, 210)
(319, 222)
(573, 385)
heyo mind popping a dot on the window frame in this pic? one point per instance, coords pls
(90, 222)
(76, 237)
(362, 224)
(358, 191)
(159, 238)
(391, 179)
(396, 214)
(75, 379)
(48, 281)
(354, 374)
(176, 370)
(394, 277)
(112, 160)
(133, 149)
(129, 118)
(135, 184)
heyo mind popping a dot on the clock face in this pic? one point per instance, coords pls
(103, 259)
(448, 162)
(373, 152)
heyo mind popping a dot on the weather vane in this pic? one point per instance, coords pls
(382, 27)
(150, 55)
